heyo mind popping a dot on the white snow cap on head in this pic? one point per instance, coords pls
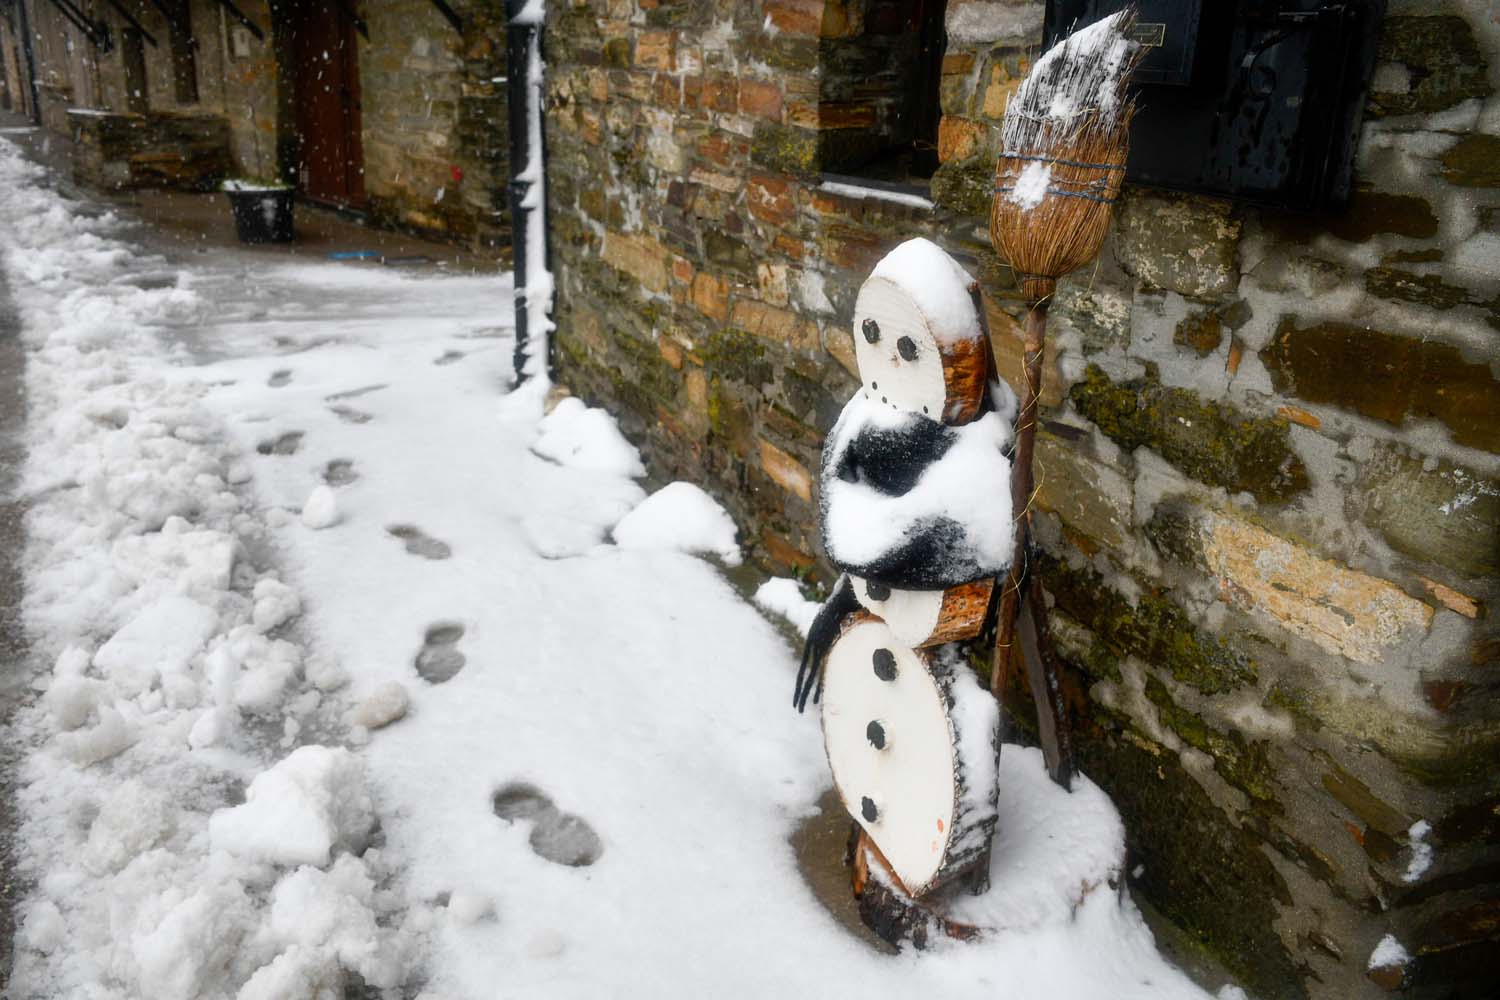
(938, 285)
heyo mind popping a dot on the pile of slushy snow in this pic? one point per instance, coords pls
(164, 857)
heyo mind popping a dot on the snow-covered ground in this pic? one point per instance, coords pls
(357, 665)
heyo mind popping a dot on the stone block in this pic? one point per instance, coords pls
(1436, 64)
(1007, 342)
(1407, 286)
(785, 148)
(710, 296)
(1473, 161)
(1089, 496)
(1212, 442)
(788, 473)
(760, 98)
(958, 138)
(639, 256)
(797, 17)
(770, 199)
(1387, 377)
(1181, 244)
(780, 326)
(654, 50)
(1343, 611)
(1433, 510)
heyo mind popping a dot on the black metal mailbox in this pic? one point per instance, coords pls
(1258, 100)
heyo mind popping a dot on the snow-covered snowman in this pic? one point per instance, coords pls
(916, 512)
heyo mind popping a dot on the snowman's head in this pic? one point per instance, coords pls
(917, 332)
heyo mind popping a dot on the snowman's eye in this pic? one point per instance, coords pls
(907, 348)
(867, 809)
(871, 330)
(885, 664)
(875, 733)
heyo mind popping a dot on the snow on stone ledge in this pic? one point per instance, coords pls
(298, 812)
(680, 516)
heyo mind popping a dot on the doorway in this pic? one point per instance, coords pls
(325, 73)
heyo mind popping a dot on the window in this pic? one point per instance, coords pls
(184, 55)
(878, 101)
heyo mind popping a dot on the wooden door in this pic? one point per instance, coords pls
(326, 84)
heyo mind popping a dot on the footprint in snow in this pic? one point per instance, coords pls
(279, 378)
(559, 837)
(286, 444)
(439, 659)
(340, 472)
(354, 393)
(350, 415)
(448, 357)
(419, 543)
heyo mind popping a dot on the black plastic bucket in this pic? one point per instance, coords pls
(262, 215)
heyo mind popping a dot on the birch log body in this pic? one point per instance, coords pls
(912, 746)
(927, 617)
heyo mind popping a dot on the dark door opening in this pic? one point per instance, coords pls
(133, 54)
(325, 61)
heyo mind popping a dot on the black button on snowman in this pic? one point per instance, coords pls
(916, 511)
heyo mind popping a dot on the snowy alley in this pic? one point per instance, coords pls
(346, 666)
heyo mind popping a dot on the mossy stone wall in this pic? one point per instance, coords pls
(1269, 477)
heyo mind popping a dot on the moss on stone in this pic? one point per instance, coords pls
(1154, 629)
(1424, 289)
(966, 186)
(1210, 441)
(1207, 875)
(1443, 60)
(786, 148)
(736, 356)
(1243, 764)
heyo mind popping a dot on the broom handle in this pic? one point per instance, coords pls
(1041, 667)
(1020, 491)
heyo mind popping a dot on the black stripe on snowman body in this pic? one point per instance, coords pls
(915, 504)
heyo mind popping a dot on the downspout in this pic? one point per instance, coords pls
(36, 105)
(528, 190)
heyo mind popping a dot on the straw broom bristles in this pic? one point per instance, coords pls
(1064, 142)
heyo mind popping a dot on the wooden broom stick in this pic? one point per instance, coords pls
(1064, 143)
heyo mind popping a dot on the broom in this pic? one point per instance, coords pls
(1064, 142)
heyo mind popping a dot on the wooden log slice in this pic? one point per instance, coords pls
(912, 740)
(889, 911)
(911, 361)
(921, 618)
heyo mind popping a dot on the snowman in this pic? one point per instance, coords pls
(916, 512)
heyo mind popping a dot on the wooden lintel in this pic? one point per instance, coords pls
(130, 18)
(451, 14)
(78, 20)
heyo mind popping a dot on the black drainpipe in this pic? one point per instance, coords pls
(523, 39)
(25, 28)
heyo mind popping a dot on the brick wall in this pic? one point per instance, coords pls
(1269, 463)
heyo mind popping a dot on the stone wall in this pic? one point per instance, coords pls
(160, 149)
(434, 119)
(1269, 458)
